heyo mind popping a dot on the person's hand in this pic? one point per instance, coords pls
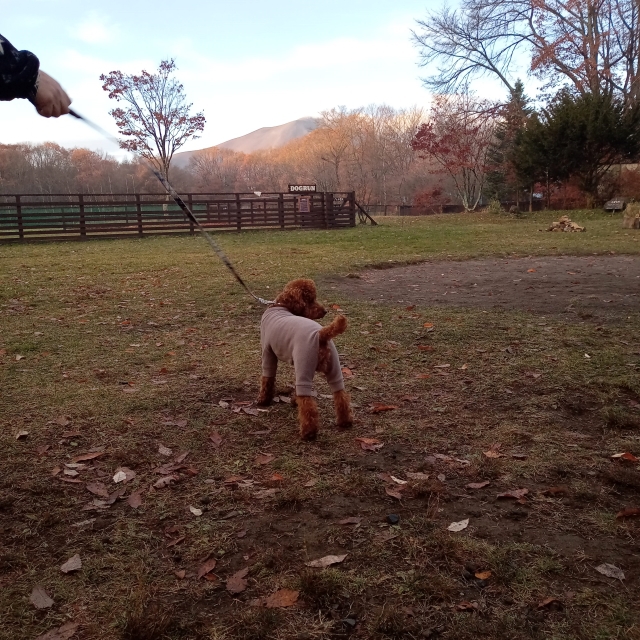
(51, 99)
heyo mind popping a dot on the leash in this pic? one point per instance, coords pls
(185, 209)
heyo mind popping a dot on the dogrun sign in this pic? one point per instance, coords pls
(302, 188)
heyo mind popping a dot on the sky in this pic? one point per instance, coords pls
(245, 63)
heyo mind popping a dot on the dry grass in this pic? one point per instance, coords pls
(132, 344)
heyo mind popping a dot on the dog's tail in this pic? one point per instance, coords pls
(338, 326)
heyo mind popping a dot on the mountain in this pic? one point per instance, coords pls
(259, 140)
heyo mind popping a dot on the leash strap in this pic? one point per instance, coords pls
(185, 209)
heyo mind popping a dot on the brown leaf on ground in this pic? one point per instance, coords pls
(478, 485)
(458, 526)
(483, 575)
(135, 499)
(66, 631)
(326, 561)
(55, 471)
(425, 347)
(428, 325)
(310, 483)
(123, 474)
(98, 489)
(352, 520)
(70, 480)
(181, 458)
(40, 598)
(281, 598)
(71, 434)
(410, 398)
(180, 574)
(346, 372)
(265, 458)
(629, 512)
(21, 435)
(276, 477)
(516, 494)
(550, 603)
(394, 492)
(370, 444)
(207, 567)
(251, 411)
(417, 475)
(175, 541)
(628, 457)
(216, 439)
(237, 582)
(466, 606)
(87, 456)
(63, 421)
(555, 491)
(379, 407)
(241, 534)
(164, 451)
(72, 564)
(610, 570)
(494, 451)
(265, 493)
(422, 376)
(42, 449)
(164, 482)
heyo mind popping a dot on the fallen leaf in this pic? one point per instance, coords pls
(493, 451)
(478, 485)
(425, 347)
(164, 451)
(428, 325)
(196, 512)
(64, 632)
(72, 564)
(281, 598)
(352, 520)
(135, 499)
(21, 435)
(531, 270)
(63, 421)
(630, 512)
(237, 582)
(483, 575)
(175, 541)
(550, 603)
(370, 444)
(422, 376)
(70, 472)
(207, 567)
(629, 457)
(310, 483)
(519, 456)
(71, 434)
(265, 493)
(98, 489)
(466, 606)
(251, 411)
(326, 561)
(347, 372)
(265, 458)
(40, 598)
(241, 534)
(216, 439)
(181, 458)
(164, 482)
(417, 475)
(458, 526)
(397, 480)
(180, 574)
(555, 491)
(41, 450)
(276, 477)
(516, 494)
(87, 456)
(123, 474)
(394, 492)
(441, 366)
(610, 570)
(19, 357)
(378, 407)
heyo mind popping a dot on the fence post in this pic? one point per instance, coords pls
(83, 226)
(139, 213)
(238, 213)
(190, 201)
(19, 214)
(328, 216)
(281, 209)
(352, 209)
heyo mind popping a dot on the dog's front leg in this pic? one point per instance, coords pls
(308, 417)
(267, 390)
(342, 404)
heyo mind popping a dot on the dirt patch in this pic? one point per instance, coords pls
(600, 287)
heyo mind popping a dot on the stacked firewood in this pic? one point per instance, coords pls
(565, 224)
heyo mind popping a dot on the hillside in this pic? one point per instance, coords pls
(259, 140)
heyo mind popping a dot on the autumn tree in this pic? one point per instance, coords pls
(155, 118)
(456, 138)
(590, 45)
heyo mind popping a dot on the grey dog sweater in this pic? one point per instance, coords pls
(294, 339)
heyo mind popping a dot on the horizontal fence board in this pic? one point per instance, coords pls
(70, 216)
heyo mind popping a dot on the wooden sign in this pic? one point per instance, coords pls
(303, 205)
(302, 188)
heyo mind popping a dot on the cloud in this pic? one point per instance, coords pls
(95, 29)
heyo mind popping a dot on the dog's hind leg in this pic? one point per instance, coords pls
(342, 404)
(308, 417)
(267, 390)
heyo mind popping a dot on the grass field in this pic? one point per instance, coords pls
(130, 348)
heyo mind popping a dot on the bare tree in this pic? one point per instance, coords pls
(593, 45)
(156, 119)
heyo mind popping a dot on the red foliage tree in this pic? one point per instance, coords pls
(156, 119)
(457, 139)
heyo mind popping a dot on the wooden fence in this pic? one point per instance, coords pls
(83, 216)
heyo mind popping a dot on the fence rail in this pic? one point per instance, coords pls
(83, 216)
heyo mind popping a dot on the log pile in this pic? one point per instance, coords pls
(565, 224)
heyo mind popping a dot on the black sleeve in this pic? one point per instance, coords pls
(18, 72)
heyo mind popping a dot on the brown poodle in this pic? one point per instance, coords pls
(288, 333)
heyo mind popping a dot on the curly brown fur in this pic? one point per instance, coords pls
(299, 297)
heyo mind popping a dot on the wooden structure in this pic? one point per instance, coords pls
(84, 216)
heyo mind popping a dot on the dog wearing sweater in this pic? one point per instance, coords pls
(288, 332)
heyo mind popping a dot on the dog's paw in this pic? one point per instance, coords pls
(308, 436)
